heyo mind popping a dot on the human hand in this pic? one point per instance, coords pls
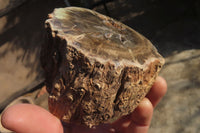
(27, 118)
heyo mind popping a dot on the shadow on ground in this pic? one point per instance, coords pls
(170, 25)
(24, 30)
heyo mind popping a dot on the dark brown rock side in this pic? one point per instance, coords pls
(96, 68)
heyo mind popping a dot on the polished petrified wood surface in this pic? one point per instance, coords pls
(97, 69)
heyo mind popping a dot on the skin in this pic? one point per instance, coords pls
(26, 118)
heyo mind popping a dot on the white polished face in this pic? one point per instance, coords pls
(100, 36)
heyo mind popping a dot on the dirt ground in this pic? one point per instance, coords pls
(172, 26)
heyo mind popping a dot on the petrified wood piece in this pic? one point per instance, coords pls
(97, 69)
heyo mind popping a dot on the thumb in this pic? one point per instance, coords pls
(27, 118)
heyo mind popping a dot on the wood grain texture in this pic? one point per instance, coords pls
(97, 69)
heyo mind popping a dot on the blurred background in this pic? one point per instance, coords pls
(173, 26)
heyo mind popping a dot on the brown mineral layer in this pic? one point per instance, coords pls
(96, 69)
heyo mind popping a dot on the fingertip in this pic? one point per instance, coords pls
(143, 113)
(141, 117)
(8, 117)
(157, 91)
(4, 119)
(161, 84)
